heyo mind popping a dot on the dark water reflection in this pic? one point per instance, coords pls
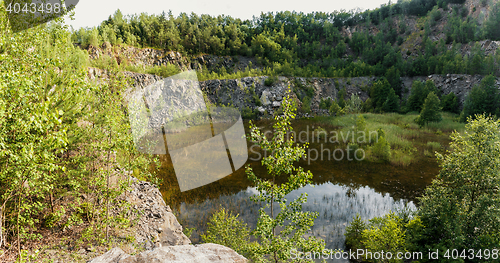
(341, 190)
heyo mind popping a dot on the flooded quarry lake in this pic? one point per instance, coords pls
(340, 190)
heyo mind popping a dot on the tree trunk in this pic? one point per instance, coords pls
(1, 232)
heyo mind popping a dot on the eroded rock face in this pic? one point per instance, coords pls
(139, 56)
(157, 225)
(236, 92)
(459, 84)
(203, 253)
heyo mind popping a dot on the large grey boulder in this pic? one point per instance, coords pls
(203, 253)
(265, 98)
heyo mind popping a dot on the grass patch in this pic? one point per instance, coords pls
(434, 145)
(408, 141)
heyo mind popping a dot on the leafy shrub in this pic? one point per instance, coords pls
(306, 105)
(325, 104)
(336, 110)
(52, 219)
(164, 70)
(384, 234)
(354, 233)
(450, 103)
(271, 80)
(431, 110)
(354, 104)
(382, 149)
(434, 145)
(226, 229)
(248, 114)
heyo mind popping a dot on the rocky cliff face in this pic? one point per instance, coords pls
(160, 232)
(251, 92)
(459, 84)
(239, 92)
(156, 226)
(156, 57)
(139, 56)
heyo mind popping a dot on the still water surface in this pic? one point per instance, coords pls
(340, 190)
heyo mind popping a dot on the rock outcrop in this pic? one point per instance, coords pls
(460, 84)
(157, 226)
(203, 253)
(252, 93)
(238, 92)
(161, 234)
(139, 56)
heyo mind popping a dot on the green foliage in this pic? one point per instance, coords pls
(431, 111)
(418, 94)
(360, 123)
(306, 105)
(393, 232)
(60, 138)
(379, 93)
(270, 80)
(482, 99)
(320, 132)
(228, 230)
(434, 145)
(460, 210)
(367, 105)
(393, 77)
(354, 104)
(52, 219)
(164, 70)
(460, 30)
(385, 234)
(341, 97)
(248, 113)
(336, 110)
(381, 149)
(307, 45)
(392, 102)
(325, 104)
(493, 23)
(449, 103)
(280, 232)
(354, 233)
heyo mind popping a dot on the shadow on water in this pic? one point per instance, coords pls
(340, 190)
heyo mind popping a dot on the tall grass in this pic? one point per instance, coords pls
(434, 145)
(401, 131)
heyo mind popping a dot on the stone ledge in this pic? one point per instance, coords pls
(203, 253)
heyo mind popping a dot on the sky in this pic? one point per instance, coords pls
(89, 13)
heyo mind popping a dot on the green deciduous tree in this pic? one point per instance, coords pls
(431, 110)
(483, 98)
(461, 209)
(228, 230)
(385, 234)
(280, 231)
(379, 93)
(418, 94)
(354, 104)
(336, 110)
